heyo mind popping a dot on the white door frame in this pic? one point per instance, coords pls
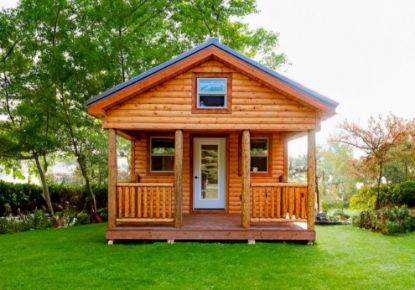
(198, 201)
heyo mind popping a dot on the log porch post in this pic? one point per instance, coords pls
(246, 179)
(178, 177)
(112, 177)
(311, 179)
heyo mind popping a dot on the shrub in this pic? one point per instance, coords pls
(28, 197)
(387, 220)
(21, 223)
(82, 218)
(365, 198)
(405, 193)
(103, 213)
(390, 195)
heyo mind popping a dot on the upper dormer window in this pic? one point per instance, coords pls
(211, 93)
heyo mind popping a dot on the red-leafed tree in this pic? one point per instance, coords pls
(377, 140)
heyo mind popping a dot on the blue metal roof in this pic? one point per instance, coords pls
(214, 42)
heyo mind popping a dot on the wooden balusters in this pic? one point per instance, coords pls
(144, 202)
(278, 201)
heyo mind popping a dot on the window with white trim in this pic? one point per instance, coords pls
(211, 93)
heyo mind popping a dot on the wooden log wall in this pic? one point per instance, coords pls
(254, 107)
(234, 178)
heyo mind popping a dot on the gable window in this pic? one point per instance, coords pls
(259, 154)
(211, 93)
(161, 154)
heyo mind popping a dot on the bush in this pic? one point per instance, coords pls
(390, 195)
(365, 198)
(103, 213)
(82, 218)
(405, 193)
(28, 197)
(21, 223)
(387, 220)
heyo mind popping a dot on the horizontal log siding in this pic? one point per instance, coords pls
(234, 190)
(254, 106)
(234, 177)
(140, 147)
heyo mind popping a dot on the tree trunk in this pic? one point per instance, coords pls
(377, 205)
(318, 196)
(88, 186)
(45, 188)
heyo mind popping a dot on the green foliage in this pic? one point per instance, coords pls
(57, 54)
(22, 223)
(390, 195)
(365, 198)
(103, 213)
(28, 197)
(404, 193)
(387, 220)
(82, 218)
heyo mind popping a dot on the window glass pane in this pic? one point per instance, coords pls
(259, 164)
(162, 154)
(162, 163)
(259, 147)
(209, 172)
(162, 146)
(211, 85)
(259, 155)
(211, 101)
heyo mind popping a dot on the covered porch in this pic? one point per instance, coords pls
(154, 210)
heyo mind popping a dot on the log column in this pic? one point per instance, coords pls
(246, 179)
(112, 177)
(178, 177)
(311, 179)
(285, 160)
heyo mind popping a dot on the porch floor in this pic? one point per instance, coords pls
(214, 227)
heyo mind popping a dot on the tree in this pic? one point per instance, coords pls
(30, 125)
(335, 174)
(77, 49)
(376, 140)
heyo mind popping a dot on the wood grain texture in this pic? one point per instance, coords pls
(311, 178)
(246, 179)
(211, 227)
(170, 106)
(178, 177)
(112, 177)
(100, 108)
(233, 173)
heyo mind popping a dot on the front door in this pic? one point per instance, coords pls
(209, 170)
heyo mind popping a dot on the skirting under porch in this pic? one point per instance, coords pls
(215, 227)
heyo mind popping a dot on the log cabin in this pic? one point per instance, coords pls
(209, 131)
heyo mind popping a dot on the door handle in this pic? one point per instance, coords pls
(196, 177)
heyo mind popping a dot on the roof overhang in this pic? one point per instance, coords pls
(212, 49)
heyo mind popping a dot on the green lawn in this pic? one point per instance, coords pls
(343, 258)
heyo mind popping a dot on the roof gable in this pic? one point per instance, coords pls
(210, 49)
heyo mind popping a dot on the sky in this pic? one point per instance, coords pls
(359, 53)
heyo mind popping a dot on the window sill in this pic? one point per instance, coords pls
(211, 111)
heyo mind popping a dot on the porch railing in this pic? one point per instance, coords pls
(145, 202)
(278, 201)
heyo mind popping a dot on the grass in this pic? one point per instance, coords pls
(343, 258)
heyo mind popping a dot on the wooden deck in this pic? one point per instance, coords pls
(214, 227)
